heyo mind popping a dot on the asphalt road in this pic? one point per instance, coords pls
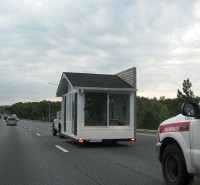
(30, 155)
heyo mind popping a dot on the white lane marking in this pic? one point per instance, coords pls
(29, 129)
(24, 127)
(61, 148)
(38, 134)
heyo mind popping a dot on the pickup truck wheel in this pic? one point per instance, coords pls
(60, 133)
(174, 167)
(54, 132)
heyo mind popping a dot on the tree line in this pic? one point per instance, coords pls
(150, 111)
(33, 110)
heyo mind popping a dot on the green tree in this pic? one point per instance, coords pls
(36, 110)
(187, 94)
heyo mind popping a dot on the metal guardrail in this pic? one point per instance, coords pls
(45, 122)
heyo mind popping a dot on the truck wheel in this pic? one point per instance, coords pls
(60, 133)
(54, 132)
(174, 167)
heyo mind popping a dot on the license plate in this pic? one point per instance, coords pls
(95, 140)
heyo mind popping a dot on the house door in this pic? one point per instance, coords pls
(74, 114)
(65, 111)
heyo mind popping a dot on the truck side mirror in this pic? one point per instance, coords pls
(190, 109)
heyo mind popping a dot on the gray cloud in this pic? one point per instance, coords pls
(41, 39)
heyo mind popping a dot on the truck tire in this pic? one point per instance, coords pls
(174, 167)
(54, 131)
(60, 133)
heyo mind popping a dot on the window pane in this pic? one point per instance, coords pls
(95, 109)
(119, 109)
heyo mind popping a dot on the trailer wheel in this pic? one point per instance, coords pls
(54, 131)
(174, 166)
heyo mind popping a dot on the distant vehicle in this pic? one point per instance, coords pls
(11, 121)
(15, 116)
(178, 146)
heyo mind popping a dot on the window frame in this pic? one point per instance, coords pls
(108, 109)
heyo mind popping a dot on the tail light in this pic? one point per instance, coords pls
(80, 141)
(133, 139)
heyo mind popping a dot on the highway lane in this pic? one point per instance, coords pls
(27, 159)
(31, 155)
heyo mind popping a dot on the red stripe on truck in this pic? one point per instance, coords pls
(175, 127)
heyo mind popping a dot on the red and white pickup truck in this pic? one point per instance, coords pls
(178, 146)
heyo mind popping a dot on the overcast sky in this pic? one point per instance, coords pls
(40, 39)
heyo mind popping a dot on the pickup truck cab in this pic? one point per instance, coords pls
(56, 126)
(178, 146)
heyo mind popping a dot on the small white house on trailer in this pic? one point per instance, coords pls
(98, 107)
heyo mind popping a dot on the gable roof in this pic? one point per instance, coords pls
(91, 81)
(96, 80)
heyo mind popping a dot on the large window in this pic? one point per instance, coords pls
(97, 108)
(119, 109)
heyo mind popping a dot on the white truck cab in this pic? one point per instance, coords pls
(56, 127)
(178, 146)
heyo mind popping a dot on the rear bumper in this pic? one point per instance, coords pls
(8, 124)
(77, 140)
